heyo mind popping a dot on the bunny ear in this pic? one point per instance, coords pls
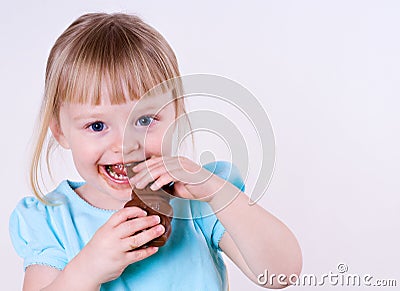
(129, 166)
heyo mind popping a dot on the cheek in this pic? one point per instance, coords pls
(158, 143)
(85, 153)
(152, 145)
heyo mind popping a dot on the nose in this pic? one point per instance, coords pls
(116, 147)
(116, 142)
(131, 144)
(127, 148)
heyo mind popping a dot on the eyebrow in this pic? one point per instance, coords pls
(149, 106)
(99, 115)
(87, 116)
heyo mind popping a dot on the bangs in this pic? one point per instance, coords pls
(102, 57)
(114, 60)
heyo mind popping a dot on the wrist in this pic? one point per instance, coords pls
(73, 278)
(224, 193)
(76, 274)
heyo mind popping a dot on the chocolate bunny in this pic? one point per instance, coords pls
(154, 203)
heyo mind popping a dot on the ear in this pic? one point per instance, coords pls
(58, 134)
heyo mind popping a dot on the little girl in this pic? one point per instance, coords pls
(79, 236)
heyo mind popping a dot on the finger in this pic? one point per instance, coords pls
(124, 214)
(176, 173)
(148, 163)
(140, 254)
(146, 177)
(141, 238)
(130, 227)
(171, 173)
(161, 181)
(178, 168)
(159, 165)
(188, 165)
(183, 165)
(139, 175)
(182, 191)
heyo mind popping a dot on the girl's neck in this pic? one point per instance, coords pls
(98, 198)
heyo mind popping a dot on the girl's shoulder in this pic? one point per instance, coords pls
(202, 213)
(228, 171)
(52, 233)
(34, 231)
(32, 214)
(58, 197)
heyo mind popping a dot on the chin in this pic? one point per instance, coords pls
(123, 193)
(120, 191)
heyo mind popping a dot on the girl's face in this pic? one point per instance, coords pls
(95, 136)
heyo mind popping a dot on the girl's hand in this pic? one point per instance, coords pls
(191, 180)
(114, 245)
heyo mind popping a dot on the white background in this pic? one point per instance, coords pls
(327, 73)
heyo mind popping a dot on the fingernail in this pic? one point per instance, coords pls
(157, 218)
(144, 212)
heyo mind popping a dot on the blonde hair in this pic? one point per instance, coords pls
(120, 50)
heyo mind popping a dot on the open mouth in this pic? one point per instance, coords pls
(116, 173)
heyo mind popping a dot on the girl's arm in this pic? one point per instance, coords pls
(256, 241)
(40, 277)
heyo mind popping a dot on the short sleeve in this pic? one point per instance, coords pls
(227, 171)
(211, 227)
(34, 235)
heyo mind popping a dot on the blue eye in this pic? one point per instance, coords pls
(145, 120)
(97, 126)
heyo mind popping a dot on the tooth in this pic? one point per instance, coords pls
(115, 175)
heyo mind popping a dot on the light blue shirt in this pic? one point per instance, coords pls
(190, 260)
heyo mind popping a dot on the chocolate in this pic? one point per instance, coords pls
(154, 203)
